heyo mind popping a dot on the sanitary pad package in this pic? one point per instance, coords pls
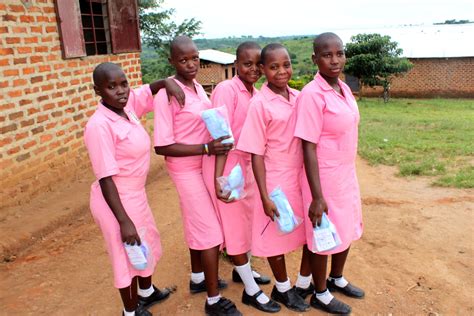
(233, 183)
(217, 123)
(287, 221)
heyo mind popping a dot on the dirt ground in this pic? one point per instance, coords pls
(415, 257)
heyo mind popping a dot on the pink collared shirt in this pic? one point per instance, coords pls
(235, 96)
(118, 146)
(176, 125)
(270, 124)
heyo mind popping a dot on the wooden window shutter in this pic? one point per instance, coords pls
(68, 16)
(124, 29)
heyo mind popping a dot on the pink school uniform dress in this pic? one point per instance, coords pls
(331, 120)
(268, 131)
(121, 148)
(235, 217)
(176, 125)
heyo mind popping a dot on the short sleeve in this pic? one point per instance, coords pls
(101, 147)
(163, 133)
(223, 94)
(253, 138)
(309, 116)
(141, 100)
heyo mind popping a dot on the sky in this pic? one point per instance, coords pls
(223, 18)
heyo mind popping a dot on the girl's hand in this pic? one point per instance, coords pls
(129, 233)
(316, 209)
(216, 147)
(220, 195)
(174, 90)
(270, 208)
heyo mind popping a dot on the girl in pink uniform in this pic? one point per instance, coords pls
(181, 136)
(236, 216)
(327, 125)
(119, 149)
(277, 160)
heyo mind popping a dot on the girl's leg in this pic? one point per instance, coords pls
(242, 266)
(210, 265)
(129, 296)
(278, 266)
(144, 283)
(338, 260)
(303, 282)
(305, 267)
(318, 268)
(196, 266)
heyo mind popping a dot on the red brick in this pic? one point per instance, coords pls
(8, 128)
(11, 72)
(28, 71)
(52, 76)
(4, 29)
(5, 141)
(51, 125)
(29, 144)
(6, 106)
(37, 130)
(33, 111)
(58, 66)
(27, 18)
(9, 18)
(6, 51)
(19, 82)
(4, 62)
(16, 115)
(25, 102)
(45, 138)
(23, 157)
(57, 114)
(13, 40)
(36, 59)
(3, 84)
(36, 29)
(41, 18)
(13, 150)
(20, 136)
(46, 39)
(16, 8)
(17, 61)
(27, 123)
(15, 93)
(43, 98)
(48, 107)
(24, 50)
(51, 29)
(42, 118)
(36, 79)
(47, 87)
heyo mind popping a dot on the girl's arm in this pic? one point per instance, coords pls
(172, 89)
(258, 166)
(318, 204)
(127, 228)
(215, 147)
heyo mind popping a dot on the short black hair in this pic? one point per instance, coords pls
(322, 38)
(246, 45)
(268, 49)
(100, 71)
(178, 41)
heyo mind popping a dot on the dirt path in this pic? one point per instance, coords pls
(416, 257)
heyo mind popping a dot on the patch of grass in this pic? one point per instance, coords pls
(432, 137)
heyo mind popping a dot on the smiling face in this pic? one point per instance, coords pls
(247, 66)
(277, 67)
(185, 59)
(330, 58)
(113, 88)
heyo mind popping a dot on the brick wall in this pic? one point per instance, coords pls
(45, 102)
(433, 77)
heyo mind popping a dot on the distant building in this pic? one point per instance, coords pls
(216, 66)
(442, 57)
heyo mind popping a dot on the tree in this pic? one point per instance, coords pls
(158, 30)
(374, 60)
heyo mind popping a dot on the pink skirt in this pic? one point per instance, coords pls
(133, 197)
(235, 217)
(202, 229)
(283, 170)
(340, 189)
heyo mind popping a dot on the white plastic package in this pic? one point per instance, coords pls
(233, 183)
(287, 221)
(325, 236)
(138, 255)
(217, 123)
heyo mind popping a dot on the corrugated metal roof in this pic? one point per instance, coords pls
(216, 56)
(426, 41)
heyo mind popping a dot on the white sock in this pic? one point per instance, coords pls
(340, 282)
(251, 286)
(125, 313)
(197, 277)
(213, 300)
(325, 297)
(255, 274)
(303, 282)
(146, 292)
(282, 287)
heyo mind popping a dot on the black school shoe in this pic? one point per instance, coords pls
(335, 306)
(224, 307)
(290, 299)
(348, 290)
(141, 311)
(269, 307)
(201, 286)
(262, 279)
(157, 296)
(304, 293)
